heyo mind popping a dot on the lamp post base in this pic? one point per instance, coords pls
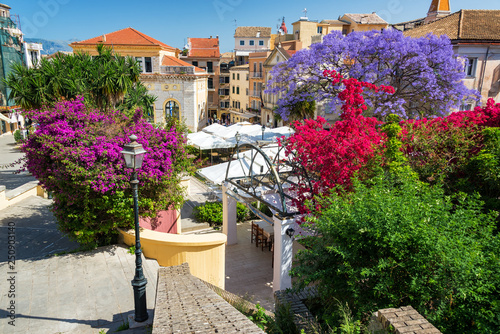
(134, 324)
(141, 310)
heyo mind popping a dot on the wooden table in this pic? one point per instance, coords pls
(264, 232)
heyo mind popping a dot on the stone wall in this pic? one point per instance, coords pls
(403, 320)
(184, 304)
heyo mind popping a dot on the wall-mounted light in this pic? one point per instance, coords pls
(290, 232)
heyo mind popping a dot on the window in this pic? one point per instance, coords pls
(252, 42)
(139, 61)
(470, 67)
(238, 76)
(148, 64)
(210, 67)
(466, 106)
(233, 76)
(172, 109)
(233, 89)
(261, 43)
(195, 63)
(34, 57)
(238, 90)
(247, 76)
(210, 84)
(246, 93)
(260, 67)
(242, 42)
(320, 30)
(223, 80)
(254, 67)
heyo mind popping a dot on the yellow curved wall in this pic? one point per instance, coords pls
(205, 254)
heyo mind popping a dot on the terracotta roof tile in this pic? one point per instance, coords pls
(252, 31)
(463, 25)
(204, 47)
(127, 36)
(372, 18)
(172, 61)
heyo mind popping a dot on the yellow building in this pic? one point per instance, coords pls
(180, 87)
(310, 32)
(239, 94)
(364, 22)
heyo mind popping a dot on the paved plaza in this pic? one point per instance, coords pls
(59, 291)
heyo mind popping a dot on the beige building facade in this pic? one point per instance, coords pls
(239, 94)
(180, 87)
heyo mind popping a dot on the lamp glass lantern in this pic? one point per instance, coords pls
(133, 153)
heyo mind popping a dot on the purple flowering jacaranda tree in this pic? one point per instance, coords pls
(425, 73)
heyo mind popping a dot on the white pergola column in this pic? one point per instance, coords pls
(229, 216)
(283, 254)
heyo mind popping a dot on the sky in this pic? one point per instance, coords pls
(172, 22)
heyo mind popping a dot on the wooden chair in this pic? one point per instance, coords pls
(260, 238)
(255, 232)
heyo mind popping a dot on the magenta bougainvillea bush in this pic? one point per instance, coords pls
(75, 154)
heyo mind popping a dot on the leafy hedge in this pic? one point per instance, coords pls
(211, 212)
(403, 242)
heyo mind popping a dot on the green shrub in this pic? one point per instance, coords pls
(401, 243)
(242, 212)
(211, 212)
(18, 136)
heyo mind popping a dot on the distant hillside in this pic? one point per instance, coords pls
(50, 47)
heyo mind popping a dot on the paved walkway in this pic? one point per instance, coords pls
(73, 293)
(197, 196)
(249, 272)
(8, 155)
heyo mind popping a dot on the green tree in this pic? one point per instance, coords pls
(106, 81)
(399, 241)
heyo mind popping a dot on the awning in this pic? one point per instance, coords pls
(244, 114)
(243, 53)
(6, 119)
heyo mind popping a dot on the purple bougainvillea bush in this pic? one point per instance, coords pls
(425, 73)
(75, 154)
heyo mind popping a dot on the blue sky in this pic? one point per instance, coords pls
(172, 22)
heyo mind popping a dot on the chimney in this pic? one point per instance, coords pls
(104, 38)
(210, 36)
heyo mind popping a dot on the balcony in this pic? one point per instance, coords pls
(317, 39)
(256, 74)
(255, 93)
(177, 69)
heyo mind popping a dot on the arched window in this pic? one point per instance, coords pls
(172, 109)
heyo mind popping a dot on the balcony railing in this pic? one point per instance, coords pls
(256, 74)
(177, 69)
(255, 93)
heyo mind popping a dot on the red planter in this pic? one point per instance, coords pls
(165, 221)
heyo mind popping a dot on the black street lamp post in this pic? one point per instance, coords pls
(133, 154)
(263, 129)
